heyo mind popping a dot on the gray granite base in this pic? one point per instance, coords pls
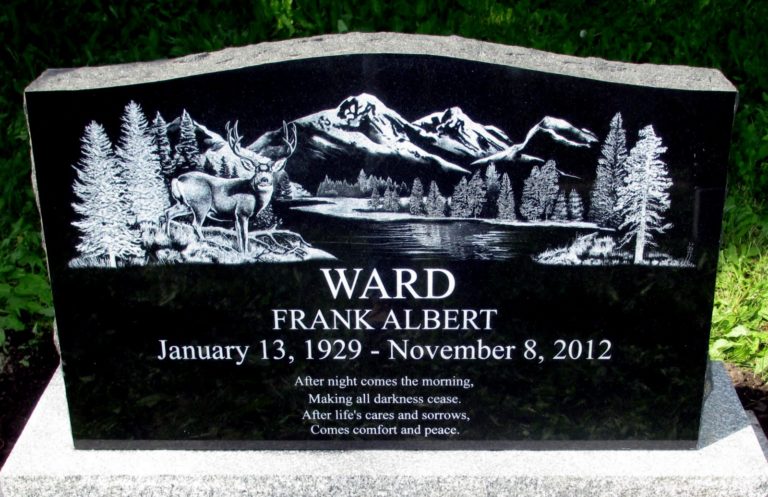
(729, 462)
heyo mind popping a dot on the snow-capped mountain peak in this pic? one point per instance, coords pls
(369, 115)
(564, 132)
(452, 121)
(557, 129)
(362, 132)
(455, 132)
(453, 117)
(357, 106)
(362, 126)
(210, 136)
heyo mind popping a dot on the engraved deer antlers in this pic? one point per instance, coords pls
(233, 139)
(206, 196)
(260, 163)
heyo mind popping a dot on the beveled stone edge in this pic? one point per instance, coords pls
(652, 75)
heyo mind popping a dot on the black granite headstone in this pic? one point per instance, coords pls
(382, 250)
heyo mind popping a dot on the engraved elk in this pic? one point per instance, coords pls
(206, 196)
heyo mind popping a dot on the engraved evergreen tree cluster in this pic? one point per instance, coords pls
(121, 192)
(104, 210)
(630, 196)
(540, 193)
(631, 190)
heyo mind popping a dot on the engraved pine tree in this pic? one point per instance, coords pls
(374, 203)
(435, 205)
(417, 198)
(506, 202)
(575, 206)
(492, 178)
(608, 175)
(560, 211)
(187, 157)
(476, 195)
(460, 199)
(145, 189)
(105, 217)
(643, 196)
(492, 189)
(389, 201)
(162, 146)
(540, 192)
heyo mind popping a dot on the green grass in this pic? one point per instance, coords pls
(727, 34)
(740, 317)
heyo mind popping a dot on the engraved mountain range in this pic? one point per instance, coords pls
(364, 133)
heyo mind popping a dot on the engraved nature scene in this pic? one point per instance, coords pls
(167, 191)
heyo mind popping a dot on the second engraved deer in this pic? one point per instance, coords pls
(205, 196)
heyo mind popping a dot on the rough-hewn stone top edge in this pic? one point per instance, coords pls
(674, 77)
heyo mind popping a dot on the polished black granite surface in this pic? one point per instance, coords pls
(555, 324)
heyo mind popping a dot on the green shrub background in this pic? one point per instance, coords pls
(730, 35)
